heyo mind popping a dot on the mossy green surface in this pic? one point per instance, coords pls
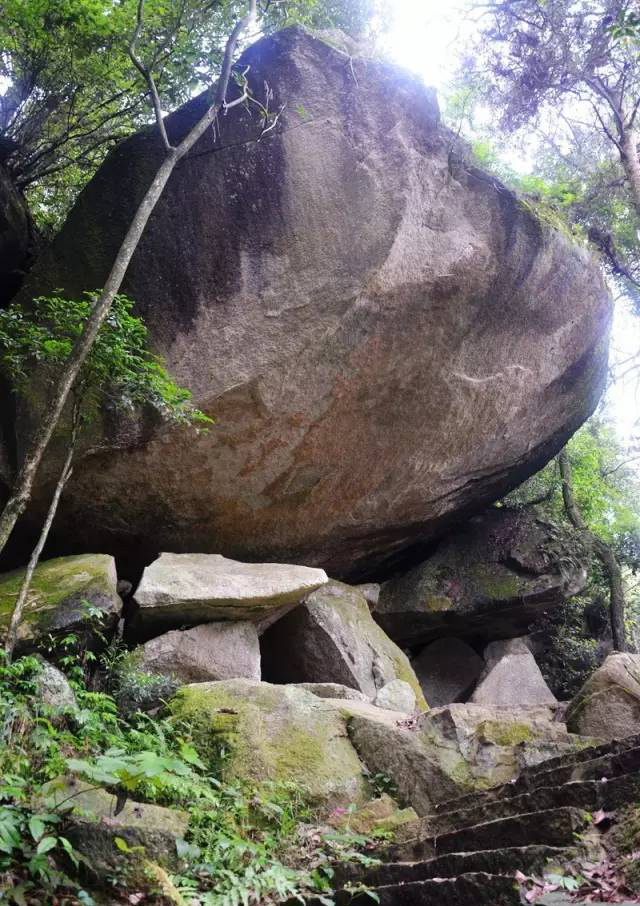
(259, 732)
(59, 592)
(507, 733)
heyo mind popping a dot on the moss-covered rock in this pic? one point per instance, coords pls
(68, 594)
(115, 841)
(260, 732)
(489, 580)
(608, 705)
(332, 638)
(458, 749)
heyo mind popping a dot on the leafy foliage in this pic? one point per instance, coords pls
(119, 371)
(71, 91)
(605, 485)
(244, 845)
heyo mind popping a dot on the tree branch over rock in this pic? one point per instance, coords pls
(24, 482)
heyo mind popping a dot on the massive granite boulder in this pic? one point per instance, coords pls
(488, 580)
(386, 336)
(17, 237)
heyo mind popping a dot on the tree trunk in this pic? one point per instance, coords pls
(631, 164)
(603, 551)
(43, 433)
(65, 475)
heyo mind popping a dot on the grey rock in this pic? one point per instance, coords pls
(53, 687)
(385, 339)
(511, 677)
(215, 651)
(447, 670)
(67, 595)
(332, 638)
(332, 690)
(608, 705)
(93, 827)
(458, 749)
(187, 589)
(396, 696)
(371, 591)
(491, 579)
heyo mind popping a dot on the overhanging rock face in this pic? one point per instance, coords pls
(385, 335)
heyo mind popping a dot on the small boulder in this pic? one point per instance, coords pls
(491, 579)
(275, 733)
(187, 589)
(396, 696)
(54, 689)
(68, 594)
(332, 690)
(608, 705)
(332, 638)
(214, 651)
(511, 677)
(95, 822)
(447, 670)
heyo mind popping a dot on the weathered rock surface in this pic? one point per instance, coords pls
(95, 823)
(385, 335)
(396, 696)
(489, 580)
(458, 749)
(277, 733)
(187, 589)
(54, 689)
(447, 671)
(332, 690)
(608, 704)
(61, 594)
(215, 651)
(332, 638)
(511, 677)
(17, 237)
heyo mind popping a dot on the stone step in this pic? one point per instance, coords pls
(590, 795)
(527, 859)
(551, 827)
(466, 890)
(605, 762)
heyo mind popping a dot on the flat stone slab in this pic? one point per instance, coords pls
(187, 589)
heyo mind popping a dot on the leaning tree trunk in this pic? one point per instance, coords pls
(65, 475)
(23, 485)
(603, 551)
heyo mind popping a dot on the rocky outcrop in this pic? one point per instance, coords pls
(458, 749)
(447, 671)
(332, 638)
(511, 677)
(68, 594)
(489, 580)
(17, 237)
(396, 696)
(276, 733)
(187, 589)
(608, 704)
(386, 336)
(215, 651)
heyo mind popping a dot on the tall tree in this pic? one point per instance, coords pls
(68, 92)
(570, 70)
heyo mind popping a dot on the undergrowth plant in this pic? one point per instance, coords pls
(244, 844)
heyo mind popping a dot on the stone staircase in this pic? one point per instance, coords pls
(468, 852)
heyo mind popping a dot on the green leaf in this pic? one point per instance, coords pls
(46, 844)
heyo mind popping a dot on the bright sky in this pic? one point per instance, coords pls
(426, 38)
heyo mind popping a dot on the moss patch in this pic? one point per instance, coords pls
(59, 593)
(258, 732)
